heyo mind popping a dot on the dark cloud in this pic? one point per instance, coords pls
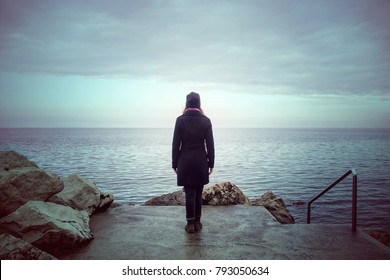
(290, 47)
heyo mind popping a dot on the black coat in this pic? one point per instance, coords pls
(193, 149)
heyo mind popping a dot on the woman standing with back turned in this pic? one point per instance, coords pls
(193, 157)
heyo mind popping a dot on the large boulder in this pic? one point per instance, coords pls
(11, 160)
(276, 206)
(19, 185)
(82, 194)
(224, 194)
(48, 226)
(171, 199)
(12, 248)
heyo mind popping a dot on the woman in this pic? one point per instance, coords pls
(193, 157)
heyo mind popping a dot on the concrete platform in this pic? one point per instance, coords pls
(229, 232)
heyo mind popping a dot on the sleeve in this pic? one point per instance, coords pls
(176, 144)
(210, 146)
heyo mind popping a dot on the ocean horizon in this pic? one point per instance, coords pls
(134, 164)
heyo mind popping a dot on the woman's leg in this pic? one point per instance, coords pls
(198, 202)
(190, 208)
(190, 202)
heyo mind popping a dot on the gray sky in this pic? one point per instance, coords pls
(254, 63)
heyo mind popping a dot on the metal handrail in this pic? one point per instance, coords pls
(354, 196)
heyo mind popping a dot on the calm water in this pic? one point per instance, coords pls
(296, 164)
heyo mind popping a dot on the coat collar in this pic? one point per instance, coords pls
(192, 113)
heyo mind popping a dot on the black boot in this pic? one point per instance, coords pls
(198, 224)
(190, 226)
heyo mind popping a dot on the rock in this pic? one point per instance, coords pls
(10, 160)
(48, 226)
(104, 203)
(19, 185)
(383, 237)
(275, 205)
(224, 194)
(171, 199)
(12, 248)
(82, 194)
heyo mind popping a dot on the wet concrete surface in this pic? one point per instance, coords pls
(229, 232)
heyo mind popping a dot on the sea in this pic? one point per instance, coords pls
(134, 164)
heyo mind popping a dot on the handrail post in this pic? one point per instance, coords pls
(354, 201)
(354, 197)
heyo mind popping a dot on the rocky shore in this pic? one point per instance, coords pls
(43, 215)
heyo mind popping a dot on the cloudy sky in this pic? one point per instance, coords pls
(262, 63)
